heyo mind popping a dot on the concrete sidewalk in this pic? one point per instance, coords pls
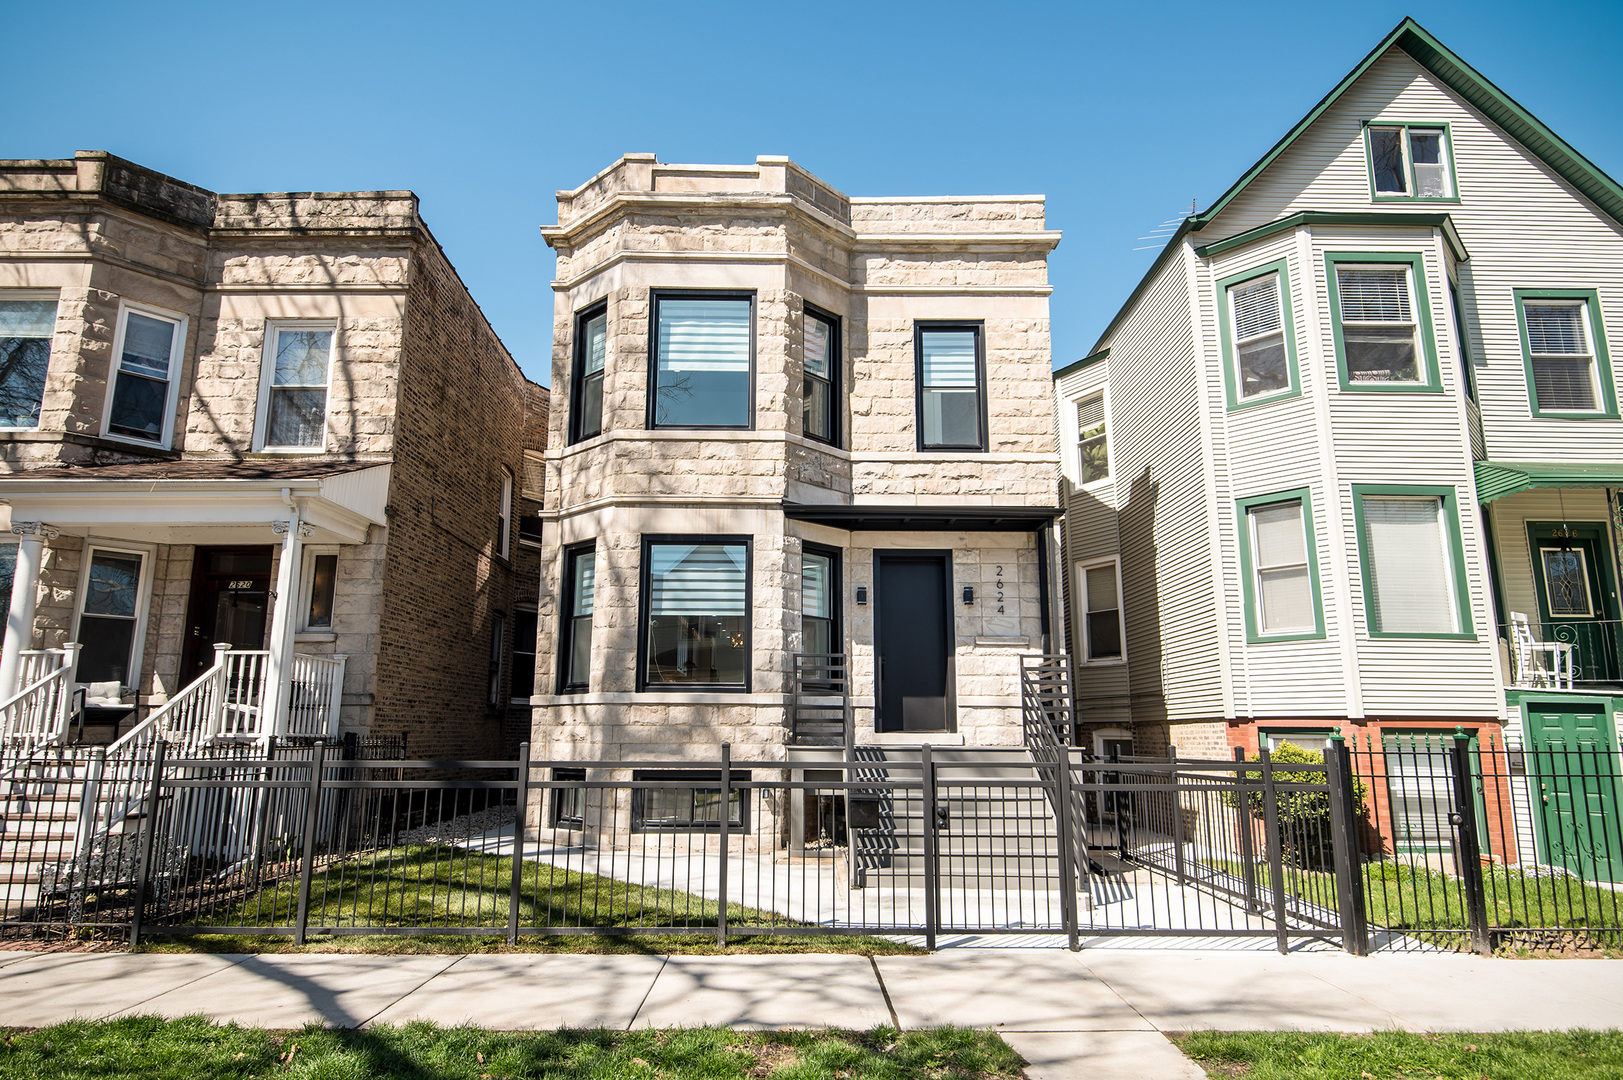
(1099, 1013)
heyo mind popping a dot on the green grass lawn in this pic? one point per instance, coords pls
(197, 1049)
(1414, 899)
(435, 887)
(1400, 1055)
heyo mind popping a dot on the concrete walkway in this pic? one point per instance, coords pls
(1098, 1013)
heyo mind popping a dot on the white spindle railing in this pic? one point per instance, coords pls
(243, 694)
(315, 690)
(38, 715)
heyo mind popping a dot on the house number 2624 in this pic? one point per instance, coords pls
(1000, 590)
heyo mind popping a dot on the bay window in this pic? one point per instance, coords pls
(695, 612)
(591, 354)
(1381, 320)
(1258, 336)
(146, 367)
(1279, 563)
(26, 326)
(1413, 561)
(580, 589)
(703, 360)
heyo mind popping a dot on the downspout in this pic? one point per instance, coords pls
(1041, 534)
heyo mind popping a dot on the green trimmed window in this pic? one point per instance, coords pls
(1258, 336)
(1381, 319)
(1413, 561)
(1280, 564)
(1569, 373)
(1410, 162)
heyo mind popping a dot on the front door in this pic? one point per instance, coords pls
(1574, 772)
(914, 642)
(1577, 596)
(230, 601)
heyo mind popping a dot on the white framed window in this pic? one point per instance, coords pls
(1257, 319)
(1104, 628)
(1410, 161)
(504, 515)
(1282, 576)
(8, 570)
(318, 587)
(293, 385)
(1093, 440)
(27, 324)
(533, 485)
(1379, 330)
(110, 618)
(1561, 355)
(145, 375)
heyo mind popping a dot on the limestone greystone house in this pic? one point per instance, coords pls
(791, 421)
(275, 421)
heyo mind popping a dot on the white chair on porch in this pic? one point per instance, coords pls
(1539, 663)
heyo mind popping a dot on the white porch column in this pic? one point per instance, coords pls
(283, 617)
(24, 595)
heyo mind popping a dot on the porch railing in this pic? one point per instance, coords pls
(1593, 643)
(38, 714)
(821, 714)
(315, 691)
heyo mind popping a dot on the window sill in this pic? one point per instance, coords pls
(1112, 662)
(1412, 200)
(315, 636)
(1389, 388)
(1547, 414)
(1252, 403)
(285, 451)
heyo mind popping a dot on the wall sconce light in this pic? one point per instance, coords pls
(969, 595)
(862, 596)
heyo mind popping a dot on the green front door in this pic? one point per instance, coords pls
(1577, 596)
(1574, 770)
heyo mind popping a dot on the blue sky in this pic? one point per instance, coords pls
(1119, 113)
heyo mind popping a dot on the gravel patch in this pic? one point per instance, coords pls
(460, 828)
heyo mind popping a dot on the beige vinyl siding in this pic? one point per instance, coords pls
(1090, 534)
(1170, 601)
(1523, 225)
(1259, 450)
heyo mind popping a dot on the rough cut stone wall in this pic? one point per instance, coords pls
(461, 408)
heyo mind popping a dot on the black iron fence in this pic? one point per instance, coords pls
(1412, 843)
(1473, 842)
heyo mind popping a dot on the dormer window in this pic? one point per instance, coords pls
(1410, 161)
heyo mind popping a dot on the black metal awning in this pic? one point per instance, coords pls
(923, 518)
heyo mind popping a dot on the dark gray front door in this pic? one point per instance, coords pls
(914, 633)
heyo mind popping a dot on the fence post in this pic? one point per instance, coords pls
(149, 829)
(1177, 818)
(1274, 843)
(932, 861)
(1248, 852)
(307, 862)
(726, 814)
(1467, 854)
(1069, 872)
(1338, 776)
(521, 811)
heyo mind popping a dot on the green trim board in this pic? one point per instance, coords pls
(1231, 374)
(1371, 218)
(1603, 359)
(1454, 546)
(1242, 525)
(1432, 383)
(1496, 479)
(1077, 365)
(1405, 125)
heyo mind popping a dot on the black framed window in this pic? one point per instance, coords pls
(498, 635)
(695, 612)
(820, 397)
(951, 373)
(569, 804)
(819, 599)
(690, 806)
(575, 644)
(703, 360)
(591, 353)
(524, 627)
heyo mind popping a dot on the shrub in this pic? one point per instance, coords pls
(1304, 816)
